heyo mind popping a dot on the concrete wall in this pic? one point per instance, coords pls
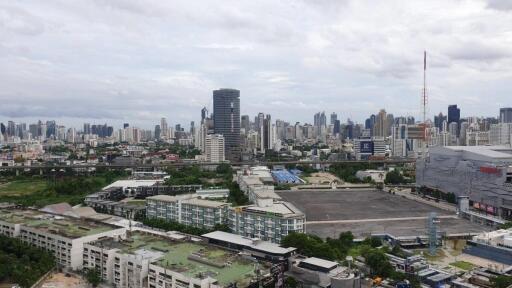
(498, 254)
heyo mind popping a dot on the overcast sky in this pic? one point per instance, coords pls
(136, 61)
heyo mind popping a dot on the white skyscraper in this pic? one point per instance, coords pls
(200, 137)
(164, 134)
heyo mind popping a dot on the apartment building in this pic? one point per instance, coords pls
(214, 147)
(267, 220)
(188, 210)
(62, 236)
(171, 260)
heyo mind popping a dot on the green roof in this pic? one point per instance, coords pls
(195, 260)
(59, 225)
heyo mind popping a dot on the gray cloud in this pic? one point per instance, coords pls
(499, 4)
(140, 60)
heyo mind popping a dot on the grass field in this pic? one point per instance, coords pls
(463, 265)
(22, 187)
(39, 192)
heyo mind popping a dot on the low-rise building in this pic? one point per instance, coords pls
(212, 193)
(188, 210)
(378, 176)
(63, 236)
(495, 246)
(255, 247)
(130, 187)
(316, 272)
(152, 260)
(267, 220)
(257, 183)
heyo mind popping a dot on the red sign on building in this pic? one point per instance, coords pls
(489, 170)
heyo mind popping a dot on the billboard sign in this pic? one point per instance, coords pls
(366, 147)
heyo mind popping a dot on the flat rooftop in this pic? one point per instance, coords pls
(190, 199)
(281, 208)
(131, 183)
(320, 262)
(193, 259)
(365, 212)
(494, 152)
(255, 243)
(52, 224)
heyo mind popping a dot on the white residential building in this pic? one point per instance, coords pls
(500, 134)
(215, 150)
(477, 138)
(267, 220)
(63, 236)
(187, 210)
(169, 260)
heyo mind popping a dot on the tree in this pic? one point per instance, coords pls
(93, 276)
(506, 225)
(311, 245)
(373, 242)
(290, 282)
(501, 281)
(346, 238)
(237, 196)
(394, 177)
(21, 263)
(222, 227)
(451, 198)
(397, 251)
(379, 263)
(224, 168)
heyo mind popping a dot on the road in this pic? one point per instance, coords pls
(378, 220)
(181, 164)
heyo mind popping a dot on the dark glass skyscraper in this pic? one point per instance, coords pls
(453, 114)
(438, 121)
(226, 120)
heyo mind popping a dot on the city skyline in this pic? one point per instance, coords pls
(119, 124)
(335, 61)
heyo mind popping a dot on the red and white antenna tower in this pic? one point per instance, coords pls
(424, 103)
(424, 96)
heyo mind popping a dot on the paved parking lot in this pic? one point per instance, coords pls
(396, 228)
(356, 204)
(384, 213)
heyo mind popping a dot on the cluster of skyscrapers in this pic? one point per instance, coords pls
(224, 134)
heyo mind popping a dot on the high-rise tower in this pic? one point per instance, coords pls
(226, 120)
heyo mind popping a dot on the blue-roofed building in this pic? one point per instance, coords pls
(285, 177)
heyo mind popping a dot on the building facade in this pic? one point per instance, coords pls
(483, 173)
(266, 220)
(226, 119)
(170, 260)
(64, 237)
(188, 211)
(506, 115)
(214, 148)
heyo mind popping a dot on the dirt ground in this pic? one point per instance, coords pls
(322, 178)
(60, 280)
